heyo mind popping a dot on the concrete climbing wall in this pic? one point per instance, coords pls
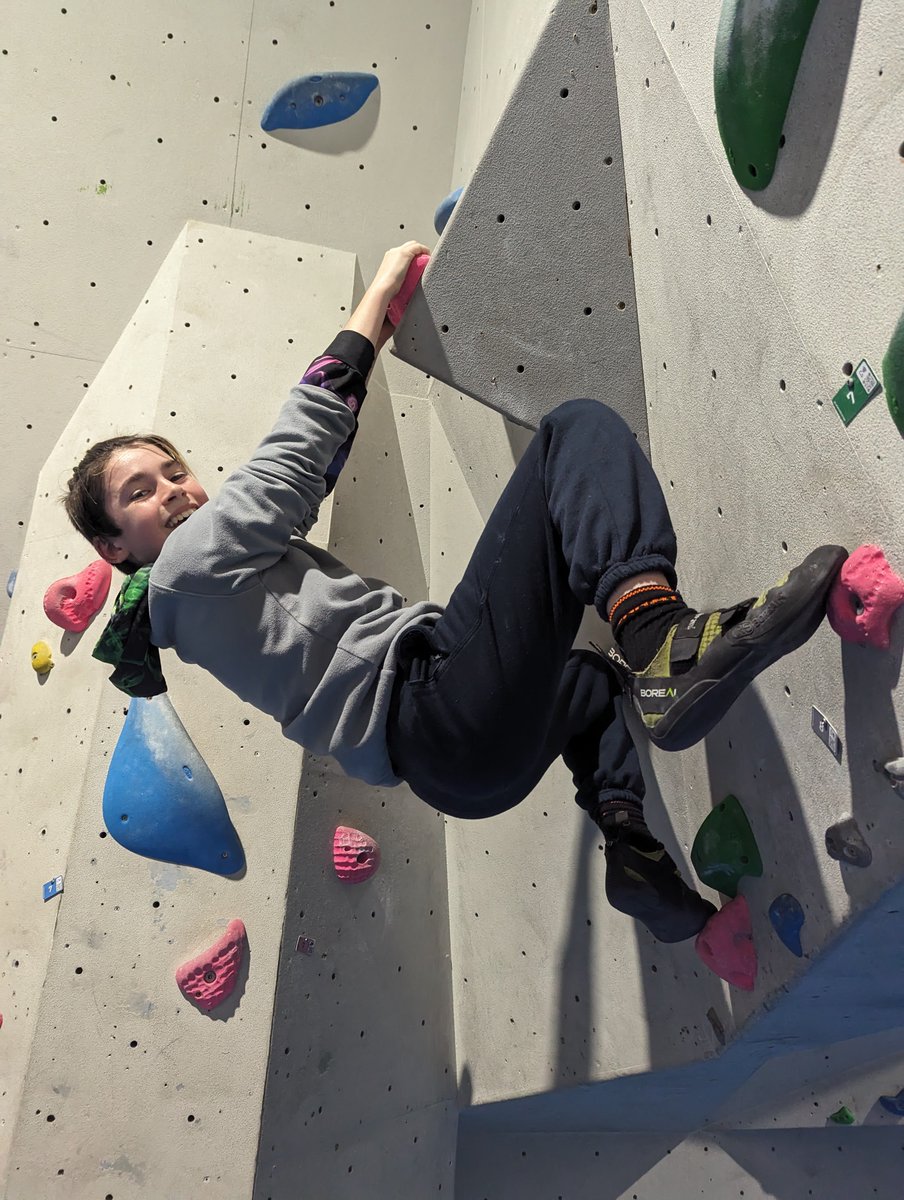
(111, 1079)
(745, 326)
(754, 304)
(119, 134)
(746, 331)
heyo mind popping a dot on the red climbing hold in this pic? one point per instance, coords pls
(210, 978)
(73, 601)
(399, 302)
(355, 855)
(725, 945)
(864, 598)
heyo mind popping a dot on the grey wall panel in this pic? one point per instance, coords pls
(529, 299)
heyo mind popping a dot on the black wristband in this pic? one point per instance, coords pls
(354, 349)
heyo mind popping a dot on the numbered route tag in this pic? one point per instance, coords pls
(825, 732)
(53, 887)
(857, 392)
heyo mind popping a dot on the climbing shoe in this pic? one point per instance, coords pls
(708, 659)
(643, 881)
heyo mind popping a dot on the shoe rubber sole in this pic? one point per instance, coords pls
(669, 925)
(789, 616)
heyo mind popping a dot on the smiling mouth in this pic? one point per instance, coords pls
(179, 518)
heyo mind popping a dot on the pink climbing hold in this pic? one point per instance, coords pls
(399, 302)
(73, 601)
(725, 945)
(210, 978)
(864, 598)
(355, 855)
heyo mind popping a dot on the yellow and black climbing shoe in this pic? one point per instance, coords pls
(708, 659)
(643, 881)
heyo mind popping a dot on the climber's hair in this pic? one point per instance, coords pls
(85, 498)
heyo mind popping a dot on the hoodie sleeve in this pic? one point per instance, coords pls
(278, 491)
(343, 370)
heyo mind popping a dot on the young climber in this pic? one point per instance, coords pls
(469, 704)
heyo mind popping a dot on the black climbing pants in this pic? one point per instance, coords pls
(490, 696)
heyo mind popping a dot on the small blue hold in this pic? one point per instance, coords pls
(444, 211)
(893, 1104)
(315, 100)
(11, 582)
(787, 919)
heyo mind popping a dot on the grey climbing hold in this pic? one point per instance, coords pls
(11, 582)
(894, 773)
(846, 843)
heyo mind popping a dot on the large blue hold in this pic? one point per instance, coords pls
(444, 210)
(787, 919)
(315, 100)
(161, 800)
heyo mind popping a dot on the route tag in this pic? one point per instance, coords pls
(825, 732)
(854, 395)
(53, 887)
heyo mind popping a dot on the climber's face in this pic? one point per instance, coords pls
(148, 496)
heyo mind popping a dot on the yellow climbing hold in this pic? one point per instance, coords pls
(41, 658)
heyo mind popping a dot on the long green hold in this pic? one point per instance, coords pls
(893, 375)
(725, 850)
(758, 51)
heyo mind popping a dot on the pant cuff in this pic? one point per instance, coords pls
(619, 572)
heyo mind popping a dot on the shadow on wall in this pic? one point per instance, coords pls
(873, 736)
(577, 1001)
(678, 990)
(813, 113)
(419, 332)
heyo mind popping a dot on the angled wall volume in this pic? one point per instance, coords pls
(530, 299)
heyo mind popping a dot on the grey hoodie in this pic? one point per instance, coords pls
(280, 622)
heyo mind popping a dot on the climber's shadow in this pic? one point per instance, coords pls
(873, 737)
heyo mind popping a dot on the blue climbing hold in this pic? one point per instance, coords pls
(444, 211)
(315, 100)
(160, 798)
(893, 1104)
(787, 919)
(11, 582)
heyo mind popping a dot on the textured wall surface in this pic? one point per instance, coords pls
(531, 299)
(741, 311)
(111, 1077)
(744, 325)
(119, 132)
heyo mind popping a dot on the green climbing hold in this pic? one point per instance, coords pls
(843, 1116)
(893, 375)
(758, 51)
(725, 849)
